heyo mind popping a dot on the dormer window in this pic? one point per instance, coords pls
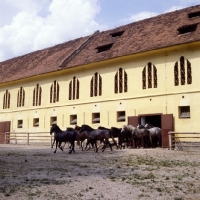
(194, 14)
(104, 48)
(187, 29)
(117, 34)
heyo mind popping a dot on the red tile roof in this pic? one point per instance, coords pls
(145, 35)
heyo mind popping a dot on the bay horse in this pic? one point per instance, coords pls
(94, 135)
(63, 136)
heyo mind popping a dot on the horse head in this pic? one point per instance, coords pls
(54, 128)
(140, 126)
(147, 125)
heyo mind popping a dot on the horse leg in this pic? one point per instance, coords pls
(110, 145)
(95, 143)
(87, 143)
(114, 141)
(105, 145)
(60, 146)
(53, 143)
(56, 146)
(142, 141)
(72, 147)
(82, 145)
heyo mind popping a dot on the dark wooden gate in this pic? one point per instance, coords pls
(4, 127)
(133, 120)
(167, 124)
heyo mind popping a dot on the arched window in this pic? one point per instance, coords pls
(37, 93)
(74, 89)
(6, 100)
(21, 97)
(182, 67)
(96, 85)
(149, 76)
(121, 81)
(54, 92)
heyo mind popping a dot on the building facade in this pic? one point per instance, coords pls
(146, 71)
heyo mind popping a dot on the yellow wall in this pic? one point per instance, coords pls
(164, 99)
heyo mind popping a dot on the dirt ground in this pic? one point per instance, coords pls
(35, 172)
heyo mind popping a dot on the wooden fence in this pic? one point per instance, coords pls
(184, 140)
(27, 138)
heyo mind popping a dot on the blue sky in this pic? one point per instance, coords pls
(30, 25)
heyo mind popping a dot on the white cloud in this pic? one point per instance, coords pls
(139, 16)
(174, 8)
(30, 30)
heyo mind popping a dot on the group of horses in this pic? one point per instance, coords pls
(127, 136)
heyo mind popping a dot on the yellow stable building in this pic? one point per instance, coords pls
(146, 71)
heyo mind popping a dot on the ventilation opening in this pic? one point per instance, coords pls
(95, 118)
(121, 116)
(184, 111)
(104, 48)
(53, 120)
(20, 124)
(35, 122)
(194, 14)
(73, 119)
(116, 34)
(187, 29)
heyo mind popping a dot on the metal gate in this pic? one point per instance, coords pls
(4, 127)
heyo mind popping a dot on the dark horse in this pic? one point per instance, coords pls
(110, 134)
(126, 135)
(82, 136)
(63, 136)
(94, 135)
(116, 132)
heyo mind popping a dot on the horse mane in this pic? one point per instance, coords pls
(115, 129)
(87, 127)
(101, 127)
(129, 127)
(70, 129)
(77, 128)
(148, 125)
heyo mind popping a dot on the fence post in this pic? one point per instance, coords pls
(4, 138)
(170, 140)
(27, 138)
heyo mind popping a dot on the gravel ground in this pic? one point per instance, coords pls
(35, 172)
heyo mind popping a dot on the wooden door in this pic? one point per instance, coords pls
(167, 124)
(4, 127)
(133, 120)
